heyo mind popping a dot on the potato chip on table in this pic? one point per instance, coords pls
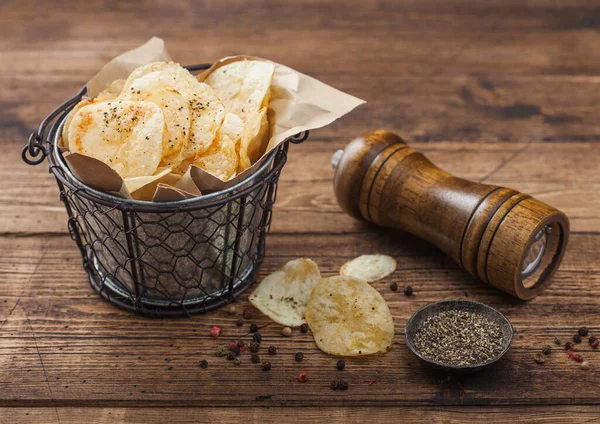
(283, 295)
(348, 317)
(369, 267)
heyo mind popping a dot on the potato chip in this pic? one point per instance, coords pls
(348, 317)
(243, 86)
(126, 135)
(152, 88)
(64, 139)
(111, 91)
(206, 111)
(254, 139)
(369, 267)
(221, 159)
(283, 295)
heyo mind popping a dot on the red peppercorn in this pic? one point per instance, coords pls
(249, 312)
(302, 377)
(216, 331)
(233, 345)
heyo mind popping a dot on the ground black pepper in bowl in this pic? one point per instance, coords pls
(458, 335)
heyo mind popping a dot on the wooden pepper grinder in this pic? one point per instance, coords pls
(505, 238)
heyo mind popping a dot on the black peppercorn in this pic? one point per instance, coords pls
(568, 345)
(299, 356)
(333, 385)
(304, 328)
(236, 351)
(341, 364)
(239, 322)
(255, 358)
(272, 350)
(266, 366)
(257, 337)
(592, 339)
(394, 286)
(343, 385)
(408, 291)
(595, 344)
(254, 347)
(204, 363)
(577, 338)
(241, 343)
(583, 331)
(230, 356)
(547, 350)
(253, 328)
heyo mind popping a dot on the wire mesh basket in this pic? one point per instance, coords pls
(164, 259)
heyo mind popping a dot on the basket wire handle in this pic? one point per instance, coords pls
(34, 152)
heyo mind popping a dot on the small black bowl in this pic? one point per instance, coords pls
(415, 322)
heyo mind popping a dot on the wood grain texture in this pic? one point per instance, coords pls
(502, 92)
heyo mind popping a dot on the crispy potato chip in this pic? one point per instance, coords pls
(152, 88)
(221, 159)
(348, 317)
(283, 295)
(244, 86)
(126, 135)
(254, 139)
(369, 267)
(64, 139)
(206, 111)
(111, 91)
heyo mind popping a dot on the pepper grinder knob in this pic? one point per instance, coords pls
(499, 235)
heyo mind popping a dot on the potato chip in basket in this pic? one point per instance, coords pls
(348, 317)
(283, 295)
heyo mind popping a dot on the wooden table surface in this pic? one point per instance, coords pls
(501, 91)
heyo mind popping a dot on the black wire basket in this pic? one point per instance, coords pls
(165, 259)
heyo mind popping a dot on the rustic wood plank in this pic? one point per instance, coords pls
(438, 415)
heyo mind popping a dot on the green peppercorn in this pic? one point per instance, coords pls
(266, 366)
(299, 356)
(272, 350)
(547, 350)
(204, 363)
(304, 328)
(558, 341)
(341, 364)
(222, 350)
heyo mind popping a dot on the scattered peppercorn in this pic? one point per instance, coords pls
(394, 286)
(343, 385)
(539, 358)
(585, 365)
(568, 345)
(583, 331)
(592, 339)
(333, 385)
(204, 363)
(547, 350)
(237, 361)
(341, 364)
(249, 312)
(216, 331)
(222, 350)
(304, 328)
(257, 337)
(595, 344)
(408, 291)
(286, 331)
(299, 356)
(266, 366)
(233, 344)
(254, 347)
(574, 356)
(239, 322)
(302, 377)
(236, 351)
(241, 343)
(231, 310)
(577, 338)
(558, 341)
(255, 358)
(253, 328)
(230, 356)
(272, 350)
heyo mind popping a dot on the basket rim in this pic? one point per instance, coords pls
(277, 157)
